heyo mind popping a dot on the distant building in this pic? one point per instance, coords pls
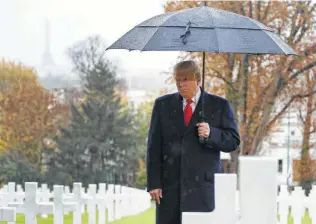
(51, 75)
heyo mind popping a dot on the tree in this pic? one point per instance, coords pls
(29, 114)
(307, 107)
(16, 168)
(255, 84)
(101, 134)
(141, 175)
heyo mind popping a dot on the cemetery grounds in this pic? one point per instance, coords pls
(147, 217)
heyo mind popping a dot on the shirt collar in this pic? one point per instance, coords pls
(196, 97)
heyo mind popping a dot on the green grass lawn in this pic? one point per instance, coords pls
(147, 217)
(305, 220)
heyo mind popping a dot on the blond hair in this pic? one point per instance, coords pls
(189, 66)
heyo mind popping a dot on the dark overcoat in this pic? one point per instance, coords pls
(178, 163)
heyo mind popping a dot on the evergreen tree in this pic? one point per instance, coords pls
(16, 168)
(99, 144)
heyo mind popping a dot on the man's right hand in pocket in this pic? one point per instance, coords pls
(156, 194)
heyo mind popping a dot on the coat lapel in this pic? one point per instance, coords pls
(178, 117)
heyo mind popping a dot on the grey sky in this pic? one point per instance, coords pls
(22, 30)
(22, 25)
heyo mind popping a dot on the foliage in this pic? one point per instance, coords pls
(16, 168)
(141, 175)
(29, 113)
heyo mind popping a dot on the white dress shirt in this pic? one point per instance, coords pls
(195, 100)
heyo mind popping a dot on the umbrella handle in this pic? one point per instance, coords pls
(201, 120)
(202, 139)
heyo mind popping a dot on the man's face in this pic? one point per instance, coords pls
(186, 83)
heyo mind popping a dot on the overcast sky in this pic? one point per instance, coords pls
(22, 24)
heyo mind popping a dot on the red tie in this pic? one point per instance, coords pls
(187, 112)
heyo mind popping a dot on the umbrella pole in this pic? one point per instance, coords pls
(202, 117)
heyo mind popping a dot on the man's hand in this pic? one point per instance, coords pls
(203, 129)
(156, 194)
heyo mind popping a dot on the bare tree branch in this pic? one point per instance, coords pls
(220, 76)
(256, 108)
(258, 10)
(287, 105)
(293, 29)
(308, 51)
(301, 116)
(280, 113)
(307, 67)
(244, 87)
(250, 10)
(266, 11)
(306, 23)
(242, 10)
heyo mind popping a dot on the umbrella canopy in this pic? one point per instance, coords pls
(203, 29)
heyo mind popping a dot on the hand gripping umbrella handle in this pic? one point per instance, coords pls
(201, 120)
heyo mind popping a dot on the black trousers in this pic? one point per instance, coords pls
(168, 217)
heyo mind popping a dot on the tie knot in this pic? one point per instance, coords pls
(189, 101)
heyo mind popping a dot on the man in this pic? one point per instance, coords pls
(180, 169)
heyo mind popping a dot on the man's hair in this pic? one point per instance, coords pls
(190, 66)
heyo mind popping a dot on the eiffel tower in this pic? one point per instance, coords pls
(47, 60)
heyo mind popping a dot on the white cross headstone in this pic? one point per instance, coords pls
(19, 188)
(117, 214)
(7, 215)
(92, 190)
(67, 190)
(130, 207)
(101, 202)
(298, 209)
(78, 198)
(60, 206)
(30, 208)
(44, 195)
(283, 199)
(11, 191)
(19, 195)
(125, 201)
(110, 202)
(312, 203)
(258, 190)
(7, 194)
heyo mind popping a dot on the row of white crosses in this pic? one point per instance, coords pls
(257, 201)
(120, 201)
(257, 195)
(298, 202)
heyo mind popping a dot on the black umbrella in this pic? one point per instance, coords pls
(203, 29)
